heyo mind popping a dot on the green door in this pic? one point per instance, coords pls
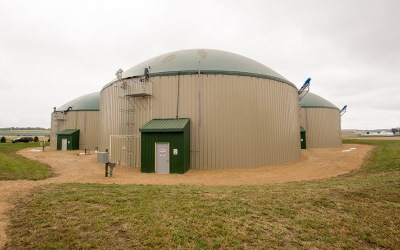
(303, 140)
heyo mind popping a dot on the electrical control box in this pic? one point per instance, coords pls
(102, 157)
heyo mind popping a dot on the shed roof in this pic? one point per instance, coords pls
(209, 61)
(68, 132)
(89, 102)
(165, 125)
(311, 100)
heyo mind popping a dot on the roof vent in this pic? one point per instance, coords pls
(119, 74)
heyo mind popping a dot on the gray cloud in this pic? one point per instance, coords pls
(54, 51)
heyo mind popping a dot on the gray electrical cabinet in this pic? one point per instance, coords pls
(102, 157)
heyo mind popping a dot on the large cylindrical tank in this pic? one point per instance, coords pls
(242, 113)
(321, 120)
(82, 113)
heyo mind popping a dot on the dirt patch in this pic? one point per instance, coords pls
(313, 164)
(70, 166)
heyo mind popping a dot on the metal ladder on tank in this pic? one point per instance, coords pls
(126, 126)
(127, 110)
(133, 94)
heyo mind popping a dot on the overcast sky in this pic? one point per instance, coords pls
(52, 52)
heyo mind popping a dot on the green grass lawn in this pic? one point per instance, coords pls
(16, 167)
(360, 210)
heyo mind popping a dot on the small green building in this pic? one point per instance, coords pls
(303, 138)
(68, 139)
(165, 146)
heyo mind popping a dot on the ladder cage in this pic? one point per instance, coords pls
(125, 150)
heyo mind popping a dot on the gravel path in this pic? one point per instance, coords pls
(69, 167)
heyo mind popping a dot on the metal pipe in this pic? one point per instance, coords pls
(199, 109)
(177, 101)
(106, 167)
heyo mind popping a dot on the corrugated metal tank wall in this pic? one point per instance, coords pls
(323, 127)
(109, 116)
(88, 122)
(244, 121)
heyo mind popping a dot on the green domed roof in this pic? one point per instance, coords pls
(210, 61)
(311, 100)
(90, 102)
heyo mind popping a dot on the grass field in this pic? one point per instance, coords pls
(15, 167)
(43, 135)
(360, 210)
(24, 132)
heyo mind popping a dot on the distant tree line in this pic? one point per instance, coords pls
(25, 128)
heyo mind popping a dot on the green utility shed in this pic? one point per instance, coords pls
(303, 138)
(165, 146)
(68, 139)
